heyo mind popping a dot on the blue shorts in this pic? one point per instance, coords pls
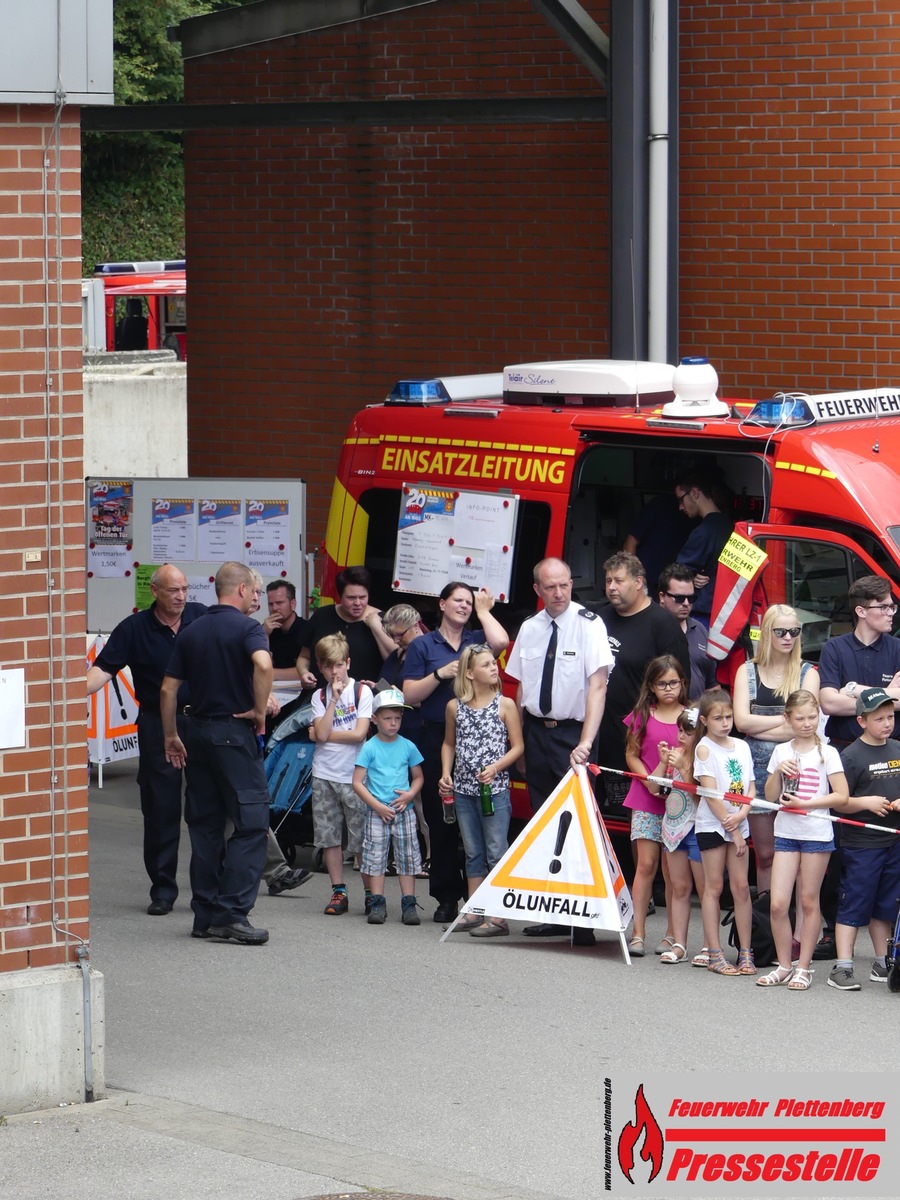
(870, 884)
(802, 846)
(689, 843)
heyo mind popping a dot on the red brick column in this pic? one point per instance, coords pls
(43, 785)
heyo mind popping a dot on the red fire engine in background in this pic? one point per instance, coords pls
(157, 312)
(583, 446)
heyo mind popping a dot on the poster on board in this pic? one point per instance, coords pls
(446, 534)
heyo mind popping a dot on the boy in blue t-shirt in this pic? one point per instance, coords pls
(387, 778)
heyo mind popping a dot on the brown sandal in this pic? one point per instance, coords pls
(719, 964)
(745, 963)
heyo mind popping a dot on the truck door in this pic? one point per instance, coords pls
(811, 570)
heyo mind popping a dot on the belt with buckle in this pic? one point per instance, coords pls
(550, 723)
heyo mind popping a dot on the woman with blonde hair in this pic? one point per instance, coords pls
(482, 740)
(761, 688)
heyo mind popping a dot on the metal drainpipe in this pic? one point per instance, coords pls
(658, 183)
(82, 953)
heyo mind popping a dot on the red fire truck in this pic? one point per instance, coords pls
(160, 290)
(585, 445)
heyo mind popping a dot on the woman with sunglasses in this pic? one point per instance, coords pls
(761, 689)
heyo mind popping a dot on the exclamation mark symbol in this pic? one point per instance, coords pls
(564, 822)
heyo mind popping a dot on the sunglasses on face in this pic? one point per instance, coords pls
(792, 633)
(688, 599)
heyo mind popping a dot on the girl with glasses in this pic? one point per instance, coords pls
(653, 720)
(761, 689)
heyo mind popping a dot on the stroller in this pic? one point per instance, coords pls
(288, 765)
(893, 958)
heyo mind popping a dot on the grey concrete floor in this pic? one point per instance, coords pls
(343, 1056)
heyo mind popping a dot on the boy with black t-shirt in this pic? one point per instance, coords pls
(870, 861)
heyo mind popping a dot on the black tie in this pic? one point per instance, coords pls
(546, 699)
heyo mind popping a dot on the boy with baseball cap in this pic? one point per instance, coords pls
(387, 778)
(870, 859)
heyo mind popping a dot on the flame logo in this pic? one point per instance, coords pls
(652, 1149)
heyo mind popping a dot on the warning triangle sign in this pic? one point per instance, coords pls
(561, 869)
(112, 716)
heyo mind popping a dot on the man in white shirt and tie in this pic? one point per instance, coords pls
(561, 660)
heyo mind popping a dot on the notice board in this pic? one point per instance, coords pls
(446, 534)
(132, 526)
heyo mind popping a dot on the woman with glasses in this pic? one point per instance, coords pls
(761, 689)
(652, 724)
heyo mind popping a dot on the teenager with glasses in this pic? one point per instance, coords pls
(677, 595)
(849, 664)
(761, 689)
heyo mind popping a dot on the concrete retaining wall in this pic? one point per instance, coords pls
(135, 415)
(42, 1038)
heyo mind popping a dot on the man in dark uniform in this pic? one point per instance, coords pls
(226, 662)
(143, 642)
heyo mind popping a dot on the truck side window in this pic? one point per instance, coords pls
(813, 577)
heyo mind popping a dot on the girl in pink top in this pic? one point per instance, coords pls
(660, 702)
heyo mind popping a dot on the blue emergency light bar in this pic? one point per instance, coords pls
(140, 268)
(446, 388)
(782, 410)
(418, 391)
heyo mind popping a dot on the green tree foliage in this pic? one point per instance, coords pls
(133, 184)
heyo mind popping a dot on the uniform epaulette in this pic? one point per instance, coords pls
(588, 614)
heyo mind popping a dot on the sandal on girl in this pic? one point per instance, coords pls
(775, 978)
(800, 980)
(677, 954)
(636, 947)
(745, 963)
(720, 965)
(701, 959)
(665, 945)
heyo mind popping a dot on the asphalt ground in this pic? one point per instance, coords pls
(343, 1057)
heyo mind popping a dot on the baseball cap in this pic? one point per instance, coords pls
(389, 698)
(871, 699)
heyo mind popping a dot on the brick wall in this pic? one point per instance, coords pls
(326, 264)
(789, 162)
(43, 786)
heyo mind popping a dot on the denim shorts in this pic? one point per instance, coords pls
(485, 839)
(802, 846)
(870, 884)
(689, 843)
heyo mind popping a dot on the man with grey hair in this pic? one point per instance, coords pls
(143, 642)
(561, 660)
